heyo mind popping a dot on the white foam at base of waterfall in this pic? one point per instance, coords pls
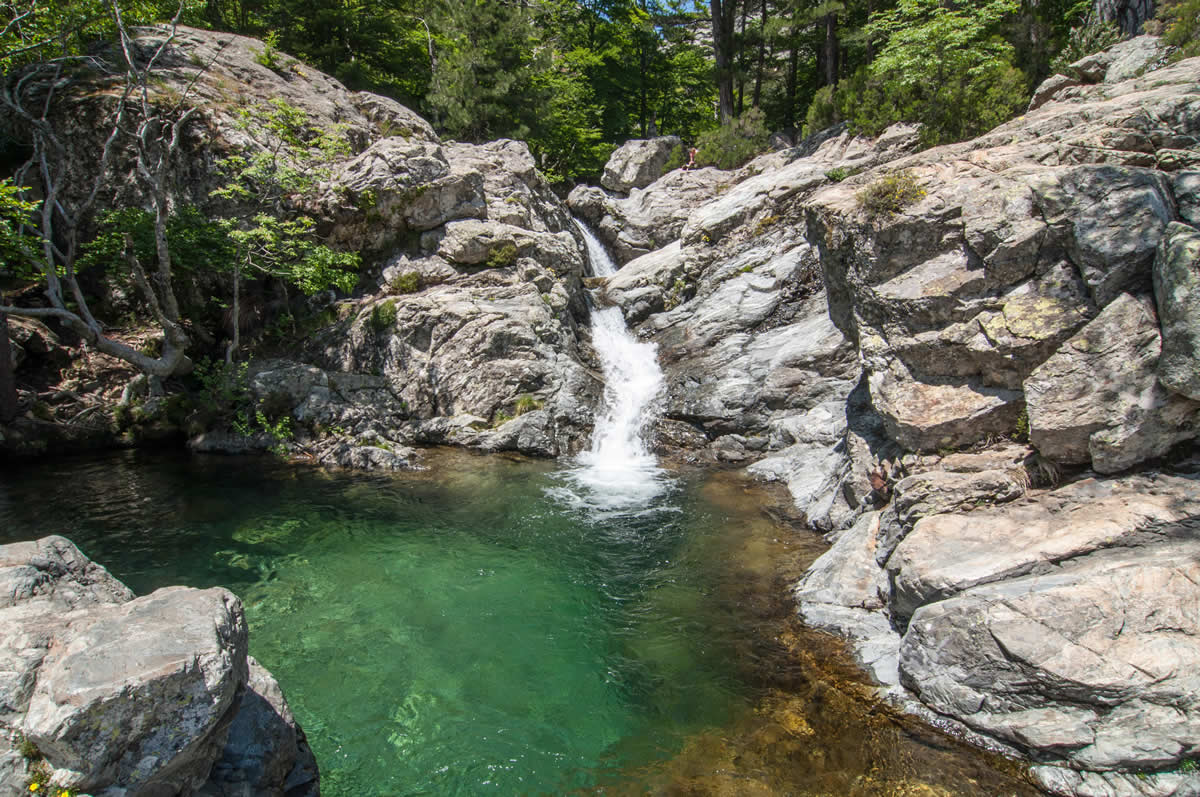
(618, 473)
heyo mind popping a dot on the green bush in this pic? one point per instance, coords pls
(890, 194)
(502, 256)
(383, 315)
(408, 282)
(836, 175)
(677, 158)
(733, 144)
(1092, 36)
(1181, 19)
(822, 111)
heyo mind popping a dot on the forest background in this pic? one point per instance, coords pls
(575, 78)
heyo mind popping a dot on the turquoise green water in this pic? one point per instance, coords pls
(454, 632)
(464, 631)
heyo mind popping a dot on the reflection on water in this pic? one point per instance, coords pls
(454, 631)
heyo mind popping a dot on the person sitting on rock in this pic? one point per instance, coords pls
(691, 164)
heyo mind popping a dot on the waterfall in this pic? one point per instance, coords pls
(618, 472)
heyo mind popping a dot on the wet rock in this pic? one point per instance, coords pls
(1177, 294)
(651, 217)
(1097, 399)
(637, 163)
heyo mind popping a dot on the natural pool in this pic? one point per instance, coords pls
(468, 629)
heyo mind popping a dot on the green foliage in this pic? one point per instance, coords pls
(383, 315)
(527, 403)
(890, 194)
(1021, 433)
(502, 256)
(839, 173)
(822, 111)
(290, 159)
(406, 282)
(268, 56)
(677, 158)
(1092, 36)
(943, 64)
(1182, 27)
(198, 244)
(223, 389)
(732, 145)
(28, 750)
(17, 259)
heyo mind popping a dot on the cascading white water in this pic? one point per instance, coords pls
(618, 472)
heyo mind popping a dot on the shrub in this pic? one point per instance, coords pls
(1092, 36)
(677, 158)
(890, 194)
(268, 56)
(383, 315)
(822, 111)
(733, 144)
(502, 256)
(408, 282)
(1181, 19)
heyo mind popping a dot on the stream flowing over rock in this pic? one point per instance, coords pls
(987, 398)
(111, 694)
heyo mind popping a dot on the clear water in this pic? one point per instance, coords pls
(463, 631)
(453, 633)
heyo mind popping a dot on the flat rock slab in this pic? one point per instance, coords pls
(1092, 664)
(946, 554)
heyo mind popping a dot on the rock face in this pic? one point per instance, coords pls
(638, 163)
(1177, 291)
(121, 694)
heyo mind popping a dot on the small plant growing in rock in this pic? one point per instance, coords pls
(383, 315)
(526, 403)
(765, 223)
(408, 282)
(268, 56)
(502, 256)
(1021, 433)
(890, 194)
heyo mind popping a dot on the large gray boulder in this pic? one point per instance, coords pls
(947, 554)
(1089, 666)
(1177, 292)
(119, 694)
(637, 163)
(139, 695)
(1098, 401)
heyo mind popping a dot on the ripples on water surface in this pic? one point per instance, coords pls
(484, 627)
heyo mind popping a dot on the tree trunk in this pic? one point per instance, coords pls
(8, 383)
(789, 114)
(830, 50)
(762, 57)
(723, 15)
(741, 73)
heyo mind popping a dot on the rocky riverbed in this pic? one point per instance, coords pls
(985, 396)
